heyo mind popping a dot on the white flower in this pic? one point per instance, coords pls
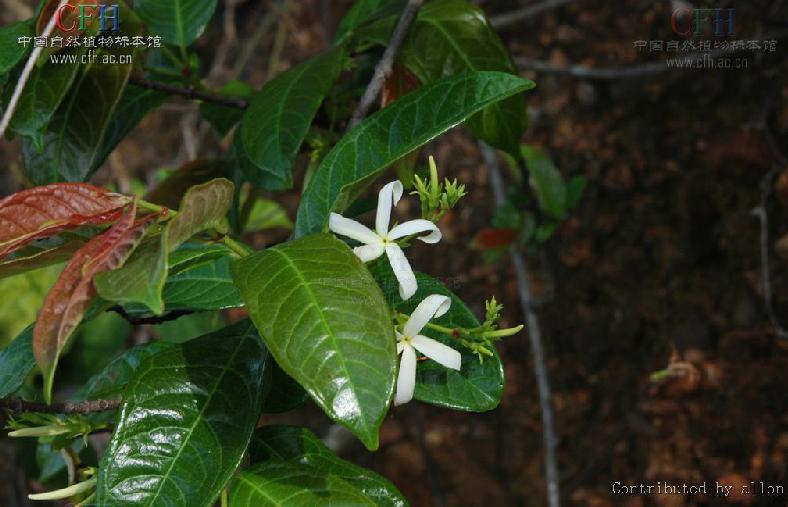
(409, 341)
(384, 240)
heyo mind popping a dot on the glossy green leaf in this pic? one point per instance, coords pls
(73, 139)
(203, 207)
(178, 22)
(203, 286)
(39, 258)
(393, 132)
(43, 93)
(11, 52)
(476, 387)
(221, 117)
(278, 118)
(16, 362)
(356, 15)
(546, 181)
(141, 279)
(293, 468)
(453, 36)
(112, 380)
(327, 325)
(286, 394)
(199, 403)
(267, 214)
(134, 105)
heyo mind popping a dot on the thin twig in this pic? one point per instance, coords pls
(535, 336)
(25, 76)
(18, 406)
(153, 320)
(631, 71)
(509, 18)
(383, 68)
(189, 92)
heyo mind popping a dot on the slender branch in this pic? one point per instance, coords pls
(18, 406)
(383, 68)
(535, 336)
(25, 76)
(189, 92)
(153, 320)
(509, 18)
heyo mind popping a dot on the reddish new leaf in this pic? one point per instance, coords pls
(44, 211)
(73, 292)
(489, 239)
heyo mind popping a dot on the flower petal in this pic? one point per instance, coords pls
(432, 306)
(417, 227)
(437, 351)
(352, 229)
(400, 348)
(406, 379)
(402, 270)
(369, 251)
(388, 197)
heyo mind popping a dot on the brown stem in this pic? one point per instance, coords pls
(19, 406)
(383, 68)
(189, 92)
(153, 320)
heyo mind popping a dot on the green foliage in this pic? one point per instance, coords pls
(327, 325)
(178, 22)
(16, 361)
(10, 51)
(212, 388)
(393, 132)
(223, 118)
(293, 465)
(279, 116)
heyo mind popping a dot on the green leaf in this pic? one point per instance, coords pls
(393, 132)
(267, 214)
(356, 15)
(134, 104)
(294, 468)
(327, 325)
(204, 286)
(141, 279)
(170, 192)
(203, 207)
(73, 139)
(178, 22)
(16, 362)
(453, 36)
(112, 380)
(546, 181)
(224, 118)
(476, 387)
(43, 93)
(198, 403)
(574, 190)
(286, 394)
(278, 118)
(11, 52)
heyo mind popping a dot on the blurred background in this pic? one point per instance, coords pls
(665, 362)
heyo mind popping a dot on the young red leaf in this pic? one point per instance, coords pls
(73, 292)
(44, 211)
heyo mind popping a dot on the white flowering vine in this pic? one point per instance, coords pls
(409, 341)
(375, 243)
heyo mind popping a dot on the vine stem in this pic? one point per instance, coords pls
(25, 76)
(383, 68)
(19, 406)
(189, 92)
(535, 337)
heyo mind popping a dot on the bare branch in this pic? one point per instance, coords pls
(19, 406)
(535, 337)
(383, 68)
(189, 92)
(28, 69)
